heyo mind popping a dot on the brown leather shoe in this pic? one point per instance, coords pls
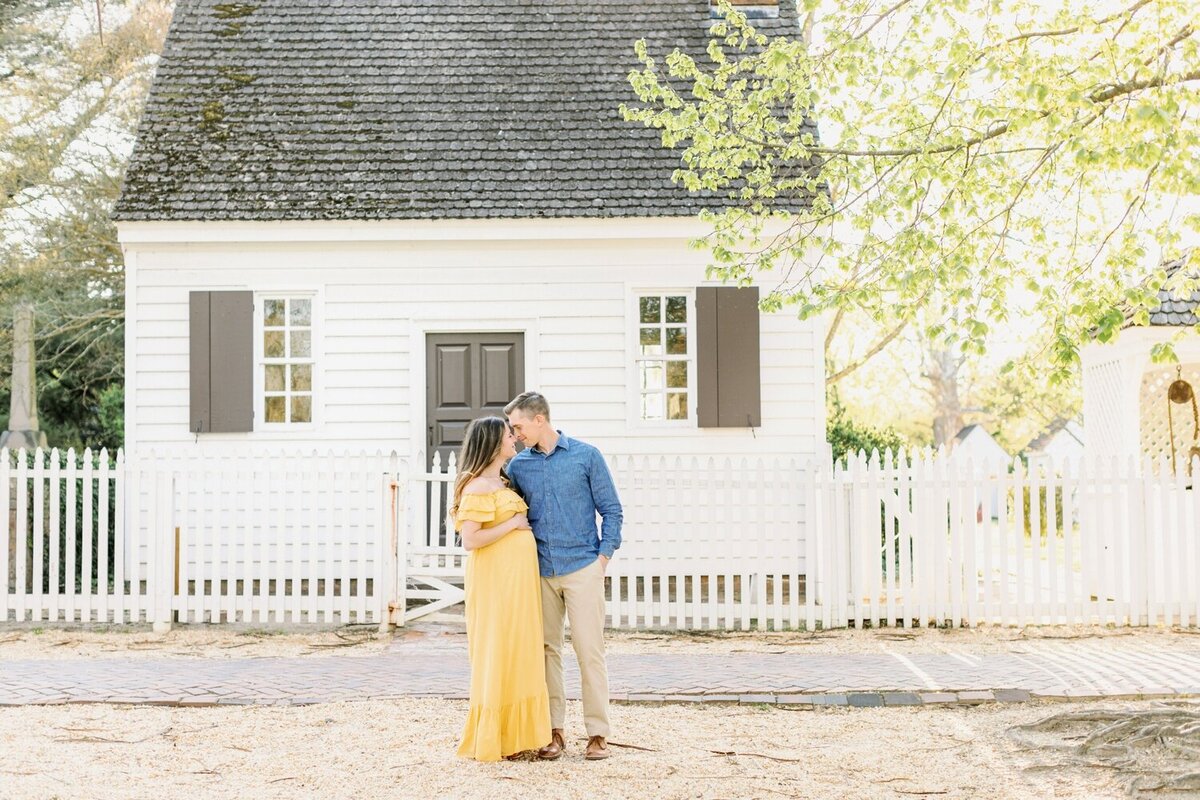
(597, 749)
(555, 749)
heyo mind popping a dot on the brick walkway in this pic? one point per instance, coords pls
(437, 666)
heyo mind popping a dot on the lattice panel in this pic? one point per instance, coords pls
(1156, 438)
(1103, 382)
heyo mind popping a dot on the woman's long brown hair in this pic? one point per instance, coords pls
(481, 445)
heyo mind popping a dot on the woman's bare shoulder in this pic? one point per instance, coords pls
(482, 485)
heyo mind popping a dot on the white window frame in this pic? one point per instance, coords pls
(260, 361)
(633, 356)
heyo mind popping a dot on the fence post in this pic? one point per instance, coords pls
(385, 594)
(162, 549)
(399, 549)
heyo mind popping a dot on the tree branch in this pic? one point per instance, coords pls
(874, 351)
(1075, 29)
(1099, 96)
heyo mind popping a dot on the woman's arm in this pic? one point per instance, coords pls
(474, 535)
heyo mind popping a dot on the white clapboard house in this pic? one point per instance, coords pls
(358, 227)
(364, 225)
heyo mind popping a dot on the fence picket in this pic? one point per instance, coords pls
(21, 599)
(117, 477)
(55, 536)
(1193, 544)
(1053, 601)
(38, 535)
(1072, 545)
(1178, 547)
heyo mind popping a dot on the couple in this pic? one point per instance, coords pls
(538, 517)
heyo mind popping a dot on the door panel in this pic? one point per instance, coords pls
(498, 364)
(453, 376)
(469, 375)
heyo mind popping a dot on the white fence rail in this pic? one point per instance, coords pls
(733, 544)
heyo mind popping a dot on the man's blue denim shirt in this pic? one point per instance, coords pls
(564, 490)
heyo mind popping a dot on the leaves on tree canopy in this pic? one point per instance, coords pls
(991, 160)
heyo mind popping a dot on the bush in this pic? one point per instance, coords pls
(84, 581)
(110, 414)
(1042, 497)
(845, 435)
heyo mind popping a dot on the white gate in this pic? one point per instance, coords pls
(432, 566)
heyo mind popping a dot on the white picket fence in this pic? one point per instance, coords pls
(337, 538)
(914, 543)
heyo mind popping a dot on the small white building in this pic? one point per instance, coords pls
(362, 228)
(974, 444)
(1128, 410)
(1059, 445)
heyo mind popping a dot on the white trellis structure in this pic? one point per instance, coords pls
(1125, 394)
(1125, 408)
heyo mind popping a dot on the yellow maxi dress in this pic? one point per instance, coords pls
(510, 708)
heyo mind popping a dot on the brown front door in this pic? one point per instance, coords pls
(469, 375)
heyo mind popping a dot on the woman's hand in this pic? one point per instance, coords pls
(520, 522)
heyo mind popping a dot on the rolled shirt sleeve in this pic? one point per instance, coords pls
(604, 497)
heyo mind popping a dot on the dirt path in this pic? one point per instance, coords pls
(28, 641)
(404, 749)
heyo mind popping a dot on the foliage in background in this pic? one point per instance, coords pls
(979, 160)
(69, 108)
(847, 436)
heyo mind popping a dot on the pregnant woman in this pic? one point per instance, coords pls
(510, 709)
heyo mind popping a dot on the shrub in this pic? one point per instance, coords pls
(845, 435)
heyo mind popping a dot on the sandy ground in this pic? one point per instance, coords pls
(196, 641)
(223, 642)
(405, 749)
(978, 641)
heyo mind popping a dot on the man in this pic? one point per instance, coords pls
(565, 482)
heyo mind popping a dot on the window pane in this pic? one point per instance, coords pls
(652, 406)
(302, 408)
(676, 309)
(651, 309)
(276, 408)
(273, 344)
(301, 377)
(275, 376)
(651, 341)
(677, 374)
(301, 312)
(273, 313)
(677, 341)
(652, 375)
(677, 405)
(301, 344)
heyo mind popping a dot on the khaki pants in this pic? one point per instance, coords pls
(581, 595)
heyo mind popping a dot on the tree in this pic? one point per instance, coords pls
(991, 160)
(72, 97)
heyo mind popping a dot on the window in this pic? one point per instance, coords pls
(665, 356)
(287, 362)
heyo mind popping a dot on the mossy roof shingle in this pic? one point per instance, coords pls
(409, 109)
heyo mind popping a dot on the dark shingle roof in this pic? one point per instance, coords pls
(1174, 307)
(407, 109)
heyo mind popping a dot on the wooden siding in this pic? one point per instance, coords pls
(375, 298)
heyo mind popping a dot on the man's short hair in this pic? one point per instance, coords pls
(531, 403)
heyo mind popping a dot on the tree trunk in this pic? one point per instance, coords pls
(942, 374)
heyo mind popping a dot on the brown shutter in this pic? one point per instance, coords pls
(221, 361)
(198, 357)
(727, 357)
